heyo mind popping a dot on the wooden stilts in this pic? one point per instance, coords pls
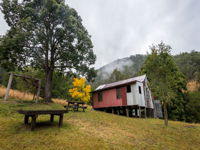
(136, 112)
(130, 112)
(124, 112)
(127, 112)
(118, 111)
(8, 86)
(145, 112)
(113, 111)
(139, 112)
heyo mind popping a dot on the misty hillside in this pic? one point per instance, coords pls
(134, 62)
(188, 63)
(119, 69)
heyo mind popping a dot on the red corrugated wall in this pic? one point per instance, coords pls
(109, 98)
(124, 98)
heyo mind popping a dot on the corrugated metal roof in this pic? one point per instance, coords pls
(120, 83)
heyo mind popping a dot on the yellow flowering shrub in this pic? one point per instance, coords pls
(80, 91)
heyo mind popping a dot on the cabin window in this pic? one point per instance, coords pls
(140, 91)
(128, 89)
(100, 96)
(118, 93)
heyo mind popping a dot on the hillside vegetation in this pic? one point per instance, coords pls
(122, 68)
(92, 130)
(188, 64)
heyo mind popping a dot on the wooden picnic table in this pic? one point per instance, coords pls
(35, 113)
(75, 105)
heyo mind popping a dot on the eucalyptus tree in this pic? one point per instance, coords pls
(49, 35)
(165, 79)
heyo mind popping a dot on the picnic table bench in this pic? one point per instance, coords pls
(75, 105)
(35, 113)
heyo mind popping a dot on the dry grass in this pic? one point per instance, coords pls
(15, 94)
(59, 101)
(93, 130)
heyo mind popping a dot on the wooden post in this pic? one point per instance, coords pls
(145, 112)
(124, 111)
(60, 120)
(136, 112)
(33, 122)
(8, 86)
(118, 111)
(52, 118)
(131, 112)
(113, 111)
(139, 112)
(127, 112)
(26, 118)
(38, 91)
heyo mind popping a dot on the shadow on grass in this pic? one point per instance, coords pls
(40, 126)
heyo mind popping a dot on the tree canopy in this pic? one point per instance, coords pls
(47, 35)
(166, 81)
(189, 64)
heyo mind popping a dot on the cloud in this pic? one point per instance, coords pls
(120, 28)
(3, 26)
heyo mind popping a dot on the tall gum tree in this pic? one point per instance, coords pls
(165, 79)
(46, 34)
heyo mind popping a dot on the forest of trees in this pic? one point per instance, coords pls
(189, 65)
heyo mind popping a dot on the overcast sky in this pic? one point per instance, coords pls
(120, 28)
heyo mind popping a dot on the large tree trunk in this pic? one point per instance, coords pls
(48, 84)
(165, 114)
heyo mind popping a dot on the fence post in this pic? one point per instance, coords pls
(8, 86)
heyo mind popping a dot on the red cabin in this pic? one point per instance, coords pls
(128, 97)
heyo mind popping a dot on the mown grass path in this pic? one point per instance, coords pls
(92, 130)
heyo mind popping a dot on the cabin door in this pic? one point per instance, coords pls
(129, 95)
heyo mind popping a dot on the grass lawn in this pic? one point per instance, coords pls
(92, 130)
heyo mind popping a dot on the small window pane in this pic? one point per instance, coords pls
(128, 89)
(118, 93)
(140, 91)
(100, 96)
